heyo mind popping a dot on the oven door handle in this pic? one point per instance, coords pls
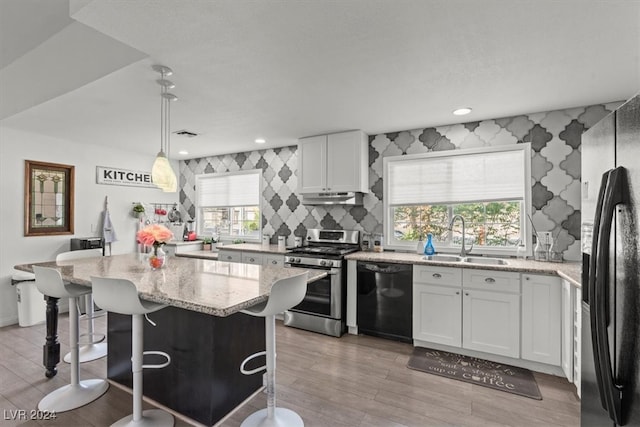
(330, 272)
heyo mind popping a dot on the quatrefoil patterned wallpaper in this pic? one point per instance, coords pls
(555, 169)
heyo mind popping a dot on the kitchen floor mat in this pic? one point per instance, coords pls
(481, 372)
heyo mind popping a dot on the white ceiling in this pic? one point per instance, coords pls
(292, 68)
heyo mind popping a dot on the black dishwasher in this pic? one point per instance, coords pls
(385, 300)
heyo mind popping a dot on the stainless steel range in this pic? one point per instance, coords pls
(323, 309)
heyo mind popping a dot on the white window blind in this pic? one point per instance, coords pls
(233, 189)
(456, 178)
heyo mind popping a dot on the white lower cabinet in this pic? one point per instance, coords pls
(491, 312)
(229, 256)
(252, 258)
(571, 332)
(274, 260)
(541, 319)
(491, 322)
(567, 330)
(577, 338)
(473, 309)
(439, 319)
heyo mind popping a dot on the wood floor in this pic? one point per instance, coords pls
(350, 381)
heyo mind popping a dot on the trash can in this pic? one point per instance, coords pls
(31, 305)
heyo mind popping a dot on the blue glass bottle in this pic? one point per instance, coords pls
(428, 247)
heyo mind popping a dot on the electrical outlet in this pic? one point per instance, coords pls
(545, 237)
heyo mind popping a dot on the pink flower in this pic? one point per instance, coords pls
(154, 234)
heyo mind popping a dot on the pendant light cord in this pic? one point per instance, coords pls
(162, 172)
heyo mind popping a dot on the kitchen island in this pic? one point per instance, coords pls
(201, 329)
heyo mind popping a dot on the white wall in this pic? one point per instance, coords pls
(16, 147)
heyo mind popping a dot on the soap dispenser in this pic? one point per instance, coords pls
(428, 247)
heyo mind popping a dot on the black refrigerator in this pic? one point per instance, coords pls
(610, 365)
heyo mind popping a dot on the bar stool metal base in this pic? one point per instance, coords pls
(72, 396)
(150, 418)
(283, 417)
(89, 352)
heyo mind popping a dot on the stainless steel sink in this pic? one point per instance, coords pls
(469, 259)
(443, 258)
(484, 260)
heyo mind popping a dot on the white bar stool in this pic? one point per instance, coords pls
(95, 348)
(121, 296)
(77, 393)
(285, 293)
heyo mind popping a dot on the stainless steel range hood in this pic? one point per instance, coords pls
(338, 198)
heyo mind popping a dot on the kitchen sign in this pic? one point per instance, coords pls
(115, 176)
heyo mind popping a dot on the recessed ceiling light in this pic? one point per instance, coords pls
(260, 140)
(462, 111)
(183, 152)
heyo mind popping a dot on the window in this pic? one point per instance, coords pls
(489, 188)
(228, 205)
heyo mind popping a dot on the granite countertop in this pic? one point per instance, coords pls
(254, 247)
(567, 270)
(211, 287)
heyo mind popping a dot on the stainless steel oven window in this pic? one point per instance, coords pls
(324, 296)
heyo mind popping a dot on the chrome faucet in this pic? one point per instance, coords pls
(463, 251)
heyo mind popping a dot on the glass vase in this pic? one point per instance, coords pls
(158, 258)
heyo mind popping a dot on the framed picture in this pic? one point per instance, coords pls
(48, 198)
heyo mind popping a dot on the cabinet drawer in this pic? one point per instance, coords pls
(443, 276)
(273, 260)
(491, 280)
(229, 256)
(251, 258)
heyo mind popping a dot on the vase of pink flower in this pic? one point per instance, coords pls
(155, 235)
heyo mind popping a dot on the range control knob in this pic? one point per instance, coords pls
(297, 260)
(323, 263)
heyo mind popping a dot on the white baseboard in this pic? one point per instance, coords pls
(8, 320)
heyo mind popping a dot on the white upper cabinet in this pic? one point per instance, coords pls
(312, 164)
(337, 162)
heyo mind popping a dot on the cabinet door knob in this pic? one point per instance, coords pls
(274, 262)
(437, 275)
(457, 292)
(252, 259)
(490, 280)
(466, 293)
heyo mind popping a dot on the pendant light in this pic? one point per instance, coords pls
(162, 173)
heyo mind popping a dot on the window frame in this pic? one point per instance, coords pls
(410, 245)
(199, 213)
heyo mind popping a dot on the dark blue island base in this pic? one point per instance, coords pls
(203, 381)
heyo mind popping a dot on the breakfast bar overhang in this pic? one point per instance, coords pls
(202, 327)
